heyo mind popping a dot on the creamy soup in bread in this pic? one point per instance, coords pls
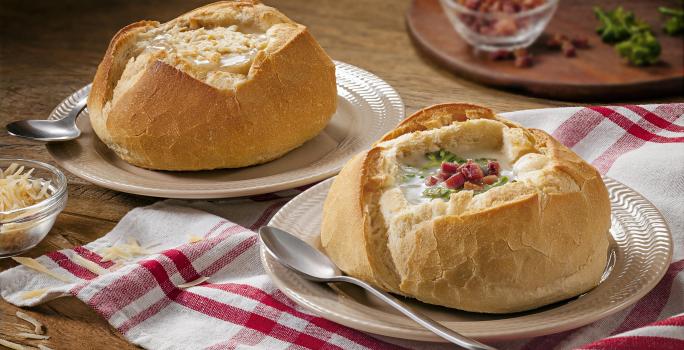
(218, 56)
(436, 175)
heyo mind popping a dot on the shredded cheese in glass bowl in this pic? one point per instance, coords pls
(32, 194)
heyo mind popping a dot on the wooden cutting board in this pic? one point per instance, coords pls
(597, 73)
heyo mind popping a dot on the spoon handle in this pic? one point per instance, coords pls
(420, 318)
(75, 110)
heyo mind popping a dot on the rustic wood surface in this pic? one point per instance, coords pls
(48, 49)
(596, 73)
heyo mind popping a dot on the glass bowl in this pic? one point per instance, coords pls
(22, 229)
(504, 29)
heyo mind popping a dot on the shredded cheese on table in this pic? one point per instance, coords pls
(33, 336)
(38, 328)
(19, 190)
(11, 345)
(38, 334)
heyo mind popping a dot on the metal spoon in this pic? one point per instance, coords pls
(311, 264)
(50, 130)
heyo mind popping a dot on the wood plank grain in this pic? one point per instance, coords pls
(48, 49)
(69, 323)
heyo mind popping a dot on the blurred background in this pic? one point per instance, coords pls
(48, 49)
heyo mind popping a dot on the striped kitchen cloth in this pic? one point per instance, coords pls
(160, 298)
(151, 299)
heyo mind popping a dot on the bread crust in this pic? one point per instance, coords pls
(169, 120)
(527, 248)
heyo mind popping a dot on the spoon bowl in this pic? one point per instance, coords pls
(44, 130)
(297, 255)
(64, 129)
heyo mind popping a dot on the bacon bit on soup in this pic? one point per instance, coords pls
(472, 171)
(489, 179)
(442, 176)
(431, 181)
(455, 181)
(493, 167)
(449, 168)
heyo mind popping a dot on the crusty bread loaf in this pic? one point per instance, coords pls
(530, 242)
(230, 84)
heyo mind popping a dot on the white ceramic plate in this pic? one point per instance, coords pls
(367, 108)
(641, 253)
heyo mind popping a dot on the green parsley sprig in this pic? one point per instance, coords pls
(438, 192)
(436, 158)
(675, 24)
(642, 48)
(617, 25)
(500, 182)
(633, 38)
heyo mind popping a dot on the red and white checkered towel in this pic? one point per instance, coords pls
(238, 307)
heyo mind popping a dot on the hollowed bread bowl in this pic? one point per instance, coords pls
(227, 85)
(535, 239)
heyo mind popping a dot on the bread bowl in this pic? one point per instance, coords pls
(227, 85)
(501, 246)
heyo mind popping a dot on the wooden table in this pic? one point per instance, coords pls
(48, 49)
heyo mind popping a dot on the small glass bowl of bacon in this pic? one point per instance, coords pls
(32, 194)
(499, 25)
